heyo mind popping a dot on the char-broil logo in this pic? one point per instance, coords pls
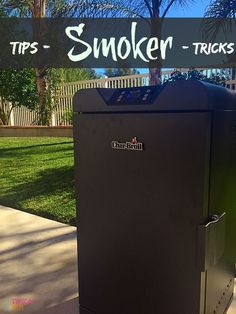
(132, 145)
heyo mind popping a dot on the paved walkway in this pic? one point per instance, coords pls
(38, 265)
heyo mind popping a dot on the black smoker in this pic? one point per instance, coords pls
(156, 186)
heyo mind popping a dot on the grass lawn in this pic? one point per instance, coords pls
(37, 176)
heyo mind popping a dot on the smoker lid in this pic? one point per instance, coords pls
(190, 95)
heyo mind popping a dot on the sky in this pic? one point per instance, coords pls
(195, 9)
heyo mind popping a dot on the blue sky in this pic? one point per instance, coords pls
(194, 9)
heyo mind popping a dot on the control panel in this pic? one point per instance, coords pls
(134, 96)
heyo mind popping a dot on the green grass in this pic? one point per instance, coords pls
(37, 176)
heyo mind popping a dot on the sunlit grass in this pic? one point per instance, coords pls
(37, 176)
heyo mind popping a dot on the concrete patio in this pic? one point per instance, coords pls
(38, 264)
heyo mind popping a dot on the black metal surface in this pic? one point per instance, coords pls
(140, 212)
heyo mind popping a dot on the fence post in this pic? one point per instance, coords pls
(53, 120)
(11, 117)
(106, 82)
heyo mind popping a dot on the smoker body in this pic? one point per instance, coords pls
(155, 178)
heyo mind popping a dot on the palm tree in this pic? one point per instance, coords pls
(221, 9)
(154, 9)
(220, 15)
(159, 9)
(217, 16)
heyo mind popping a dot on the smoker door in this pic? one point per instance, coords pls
(139, 212)
(220, 275)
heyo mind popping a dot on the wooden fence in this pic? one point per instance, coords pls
(23, 117)
(64, 101)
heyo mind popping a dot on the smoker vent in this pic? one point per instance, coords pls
(222, 296)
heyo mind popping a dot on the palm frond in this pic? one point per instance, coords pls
(219, 16)
(221, 9)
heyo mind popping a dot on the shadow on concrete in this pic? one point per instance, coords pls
(31, 246)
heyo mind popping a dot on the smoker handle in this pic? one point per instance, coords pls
(211, 241)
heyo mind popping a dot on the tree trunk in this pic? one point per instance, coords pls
(155, 76)
(44, 111)
(155, 72)
(4, 113)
